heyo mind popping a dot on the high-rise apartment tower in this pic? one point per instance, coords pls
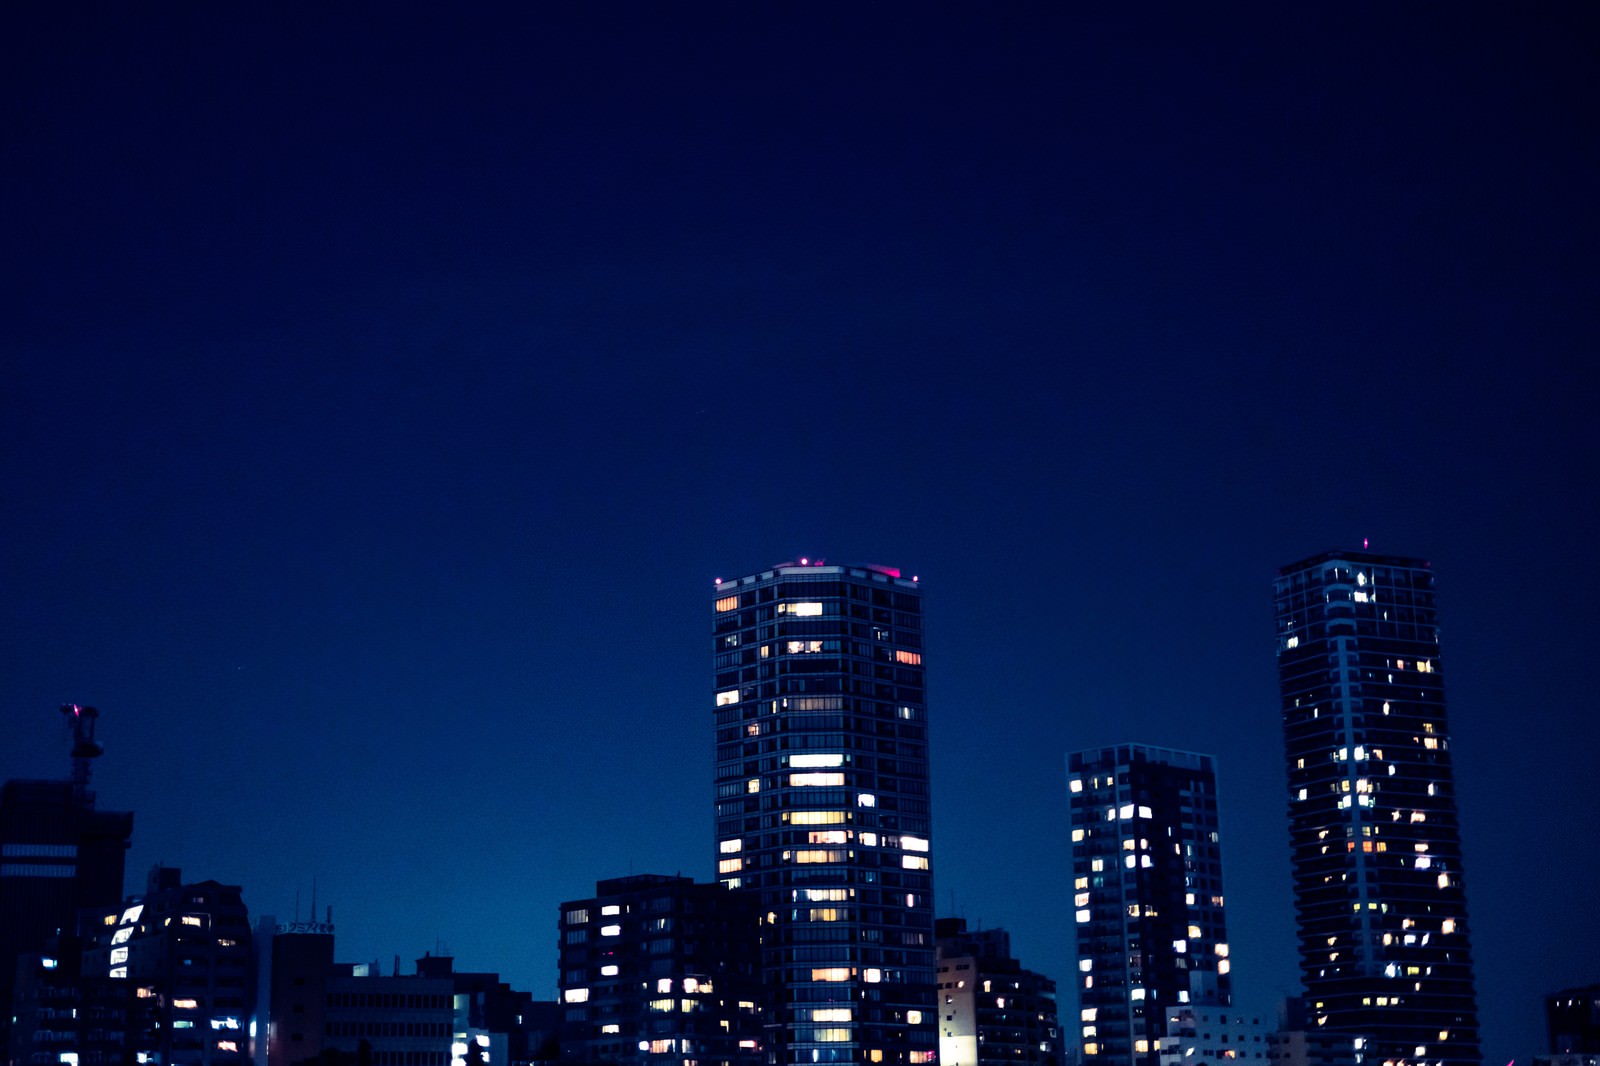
(822, 805)
(1147, 896)
(1374, 840)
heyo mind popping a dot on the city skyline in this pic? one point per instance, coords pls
(385, 393)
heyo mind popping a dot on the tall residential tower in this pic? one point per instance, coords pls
(1147, 884)
(822, 805)
(1374, 840)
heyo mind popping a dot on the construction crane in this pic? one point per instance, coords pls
(81, 721)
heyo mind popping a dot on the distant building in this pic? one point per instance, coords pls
(660, 970)
(184, 953)
(1147, 896)
(1573, 1018)
(349, 1014)
(58, 855)
(389, 1021)
(1374, 839)
(992, 1012)
(61, 1015)
(822, 809)
(507, 1027)
(1297, 1043)
(297, 960)
(1211, 1036)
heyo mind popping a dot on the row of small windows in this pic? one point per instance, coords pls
(389, 1029)
(390, 1000)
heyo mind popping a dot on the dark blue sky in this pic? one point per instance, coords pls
(384, 388)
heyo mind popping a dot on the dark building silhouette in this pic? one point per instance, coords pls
(660, 970)
(1147, 896)
(58, 855)
(183, 951)
(822, 805)
(350, 1014)
(494, 1024)
(1297, 1042)
(390, 1021)
(1376, 848)
(62, 1015)
(299, 961)
(1573, 1018)
(992, 1011)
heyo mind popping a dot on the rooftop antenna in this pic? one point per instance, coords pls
(81, 721)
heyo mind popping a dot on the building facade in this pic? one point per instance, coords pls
(60, 1015)
(297, 960)
(822, 809)
(183, 951)
(1212, 1036)
(372, 1020)
(58, 855)
(660, 970)
(1375, 843)
(992, 1012)
(1147, 895)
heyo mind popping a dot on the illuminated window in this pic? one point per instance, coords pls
(818, 780)
(729, 866)
(827, 836)
(726, 697)
(575, 995)
(831, 973)
(910, 658)
(817, 817)
(609, 971)
(801, 610)
(816, 760)
(822, 895)
(611, 930)
(913, 843)
(818, 856)
(866, 799)
(727, 603)
(915, 862)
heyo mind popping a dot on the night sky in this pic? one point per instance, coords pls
(385, 387)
